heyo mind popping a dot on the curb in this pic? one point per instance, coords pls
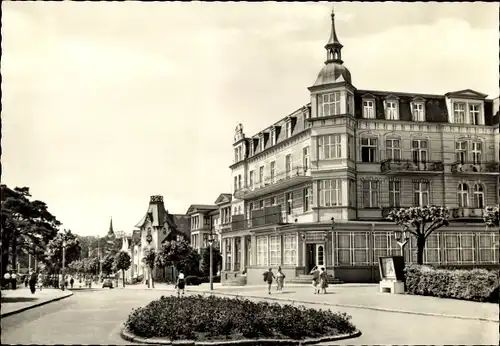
(358, 307)
(127, 335)
(35, 305)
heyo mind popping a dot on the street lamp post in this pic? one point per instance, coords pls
(402, 238)
(63, 264)
(210, 244)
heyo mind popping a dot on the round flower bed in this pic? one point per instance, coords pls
(213, 318)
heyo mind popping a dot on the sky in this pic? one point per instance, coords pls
(108, 103)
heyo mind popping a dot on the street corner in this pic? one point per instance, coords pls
(17, 301)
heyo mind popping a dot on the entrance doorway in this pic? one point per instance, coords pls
(315, 256)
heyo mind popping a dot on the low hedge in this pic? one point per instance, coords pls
(479, 285)
(214, 318)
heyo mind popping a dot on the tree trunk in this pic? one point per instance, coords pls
(14, 259)
(123, 275)
(151, 277)
(420, 249)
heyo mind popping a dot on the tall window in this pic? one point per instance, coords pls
(370, 194)
(260, 204)
(368, 109)
(305, 158)
(394, 193)
(461, 151)
(288, 128)
(289, 203)
(330, 192)
(274, 250)
(273, 136)
(307, 199)
(350, 104)
(478, 196)
(288, 165)
(239, 181)
(236, 183)
(368, 149)
(352, 193)
(459, 113)
(274, 201)
(227, 242)
(463, 195)
(393, 149)
(273, 171)
(262, 250)
(329, 147)
(391, 110)
(476, 152)
(474, 114)
(252, 179)
(420, 194)
(261, 174)
(351, 148)
(329, 104)
(262, 143)
(419, 150)
(418, 111)
(290, 249)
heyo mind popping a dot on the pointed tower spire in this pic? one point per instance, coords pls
(111, 231)
(333, 47)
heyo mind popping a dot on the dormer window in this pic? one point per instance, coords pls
(289, 128)
(459, 112)
(474, 114)
(417, 111)
(391, 110)
(273, 136)
(251, 149)
(369, 109)
(262, 143)
(329, 104)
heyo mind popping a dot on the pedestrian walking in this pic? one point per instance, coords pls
(71, 282)
(323, 280)
(269, 277)
(26, 280)
(280, 279)
(32, 281)
(315, 281)
(180, 284)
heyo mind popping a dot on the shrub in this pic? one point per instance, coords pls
(193, 280)
(477, 284)
(209, 318)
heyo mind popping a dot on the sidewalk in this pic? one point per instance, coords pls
(358, 296)
(21, 299)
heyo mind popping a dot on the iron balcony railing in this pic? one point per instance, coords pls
(475, 167)
(256, 221)
(396, 166)
(455, 213)
(272, 179)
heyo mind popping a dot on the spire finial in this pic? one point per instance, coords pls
(333, 10)
(333, 46)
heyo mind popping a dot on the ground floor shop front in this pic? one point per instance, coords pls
(348, 251)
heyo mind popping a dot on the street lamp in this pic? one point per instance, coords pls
(63, 264)
(208, 222)
(402, 238)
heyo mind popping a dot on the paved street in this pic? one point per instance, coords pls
(22, 298)
(96, 317)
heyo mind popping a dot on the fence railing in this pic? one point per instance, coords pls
(475, 167)
(271, 179)
(411, 166)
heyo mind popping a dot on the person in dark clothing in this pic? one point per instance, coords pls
(71, 282)
(32, 282)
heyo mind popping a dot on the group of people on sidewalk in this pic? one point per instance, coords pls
(319, 281)
(34, 280)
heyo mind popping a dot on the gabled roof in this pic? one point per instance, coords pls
(199, 208)
(156, 213)
(466, 93)
(223, 198)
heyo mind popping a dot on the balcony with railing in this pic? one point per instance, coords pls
(472, 214)
(258, 218)
(410, 166)
(475, 168)
(273, 183)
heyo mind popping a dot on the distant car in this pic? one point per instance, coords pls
(107, 283)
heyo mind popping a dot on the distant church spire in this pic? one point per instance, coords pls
(333, 47)
(111, 231)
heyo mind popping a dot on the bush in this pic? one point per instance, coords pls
(478, 285)
(193, 280)
(206, 279)
(209, 318)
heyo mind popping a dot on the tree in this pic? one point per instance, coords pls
(205, 261)
(178, 254)
(107, 264)
(27, 226)
(76, 267)
(491, 216)
(149, 259)
(190, 264)
(420, 222)
(54, 254)
(91, 265)
(123, 262)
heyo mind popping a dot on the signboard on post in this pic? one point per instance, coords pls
(391, 270)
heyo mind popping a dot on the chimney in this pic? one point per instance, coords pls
(156, 199)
